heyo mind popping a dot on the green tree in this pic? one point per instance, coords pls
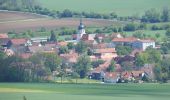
(111, 67)
(151, 15)
(53, 37)
(81, 48)
(130, 27)
(83, 65)
(63, 50)
(70, 45)
(51, 61)
(127, 66)
(154, 55)
(141, 59)
(123, 50)
(168, 32)
(165, 14)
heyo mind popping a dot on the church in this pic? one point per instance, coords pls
(81, 31)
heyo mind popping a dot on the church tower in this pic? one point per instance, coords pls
(81, 30)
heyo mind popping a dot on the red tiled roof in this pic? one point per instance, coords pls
(100, 46)
(18, 41)
(62, 43)
(3, 35)
(106, 50)
(85, 37)
(71, 57)
(129, 39)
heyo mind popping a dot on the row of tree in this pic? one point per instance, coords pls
(151, 15)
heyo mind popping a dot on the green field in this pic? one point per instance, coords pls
(121, 7)
(47, 91)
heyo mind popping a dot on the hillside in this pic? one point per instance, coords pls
(121, 7)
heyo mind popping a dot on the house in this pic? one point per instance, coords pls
(3, 35)
(47, 48)
(124, 41)
(70, 57)
(100, 37)
(104, 54)
(143, 44)
(19, 42)
(18, 45)
(86, 37)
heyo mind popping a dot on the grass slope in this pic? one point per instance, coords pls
(121, 7)
(16, 91)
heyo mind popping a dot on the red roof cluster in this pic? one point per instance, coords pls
(129, 39)
(18, 41)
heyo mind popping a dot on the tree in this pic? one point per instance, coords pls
(123, 50)
(97, 63)
(83, 65)
(75, 75)
(130, 27)
(53, 36)
(81, 47)
(67, 13)
(141, 59)
(111, 67)
(70, 45)
(63, 50)
(168, 32)
(127, 66)
(165, 15)
(151, 16)
(51, 61)
(154, 55)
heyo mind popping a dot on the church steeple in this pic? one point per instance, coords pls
(81, 26)
(81, 30)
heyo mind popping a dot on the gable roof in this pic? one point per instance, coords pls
(62, 43)
(18, 41)
(129, 39)
(71, 57)
(106, 50)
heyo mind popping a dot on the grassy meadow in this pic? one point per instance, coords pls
(121, 7)
(52, 91)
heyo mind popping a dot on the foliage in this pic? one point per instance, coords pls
(141, 59)
(53, 37)
(130, 27)
(151, 16)
(165, 14)
(97, 63)
(111, 67)
(127, 66)
(81, 47)
(63, 50)
(123, 50)
(168, 32)
(83, 65)
(70, 45)
(139, 35)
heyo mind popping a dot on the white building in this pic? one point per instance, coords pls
(143, 44)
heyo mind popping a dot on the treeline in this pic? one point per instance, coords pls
(151, 16)
(36, 69)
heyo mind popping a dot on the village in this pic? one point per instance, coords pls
(97, 50)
